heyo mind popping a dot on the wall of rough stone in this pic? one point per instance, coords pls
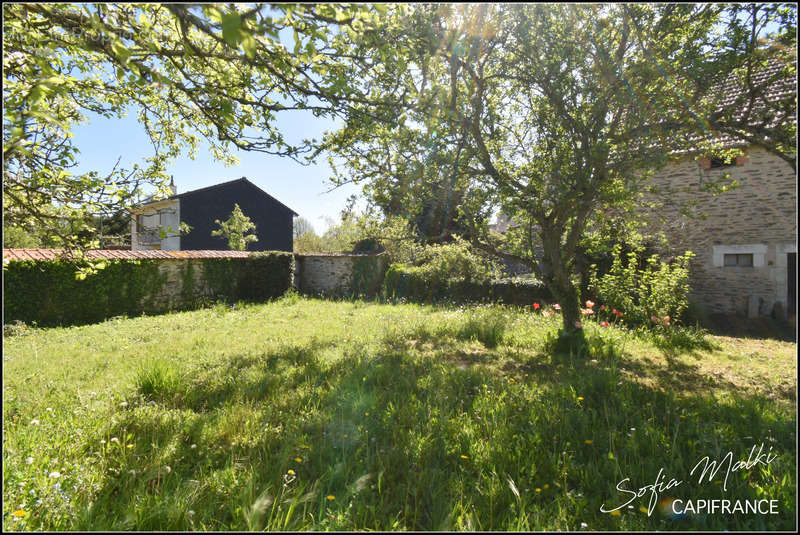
(174, 293)
(758, 215)
(331, 274)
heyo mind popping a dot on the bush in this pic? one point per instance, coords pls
(48, 292)
(420, 284)
(455, 261)
(650, 293)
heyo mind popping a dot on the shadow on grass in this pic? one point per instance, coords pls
(742, 327)
(413, 434)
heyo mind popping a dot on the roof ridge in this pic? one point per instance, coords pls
(213, 186)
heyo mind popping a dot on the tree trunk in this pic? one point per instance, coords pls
(560, 281)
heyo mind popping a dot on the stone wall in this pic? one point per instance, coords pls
(334, 275)
(758, 217)
(176, 292)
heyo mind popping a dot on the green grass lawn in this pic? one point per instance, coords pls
(310, 414)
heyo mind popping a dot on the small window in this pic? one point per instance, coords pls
(719, 162)
(739, 260)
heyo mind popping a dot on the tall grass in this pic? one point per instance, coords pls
(313, 415)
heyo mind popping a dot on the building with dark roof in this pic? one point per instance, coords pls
(155, 224)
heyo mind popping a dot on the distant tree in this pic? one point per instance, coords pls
(309, 243)
(15, 237)
(237, 230)
(301, 226)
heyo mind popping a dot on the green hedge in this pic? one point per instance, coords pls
(48, 293)
(420, 285)
(367, 276)
(259, 277)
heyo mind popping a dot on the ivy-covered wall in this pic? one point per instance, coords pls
(417, 285)
(340, 275)
(47, 291)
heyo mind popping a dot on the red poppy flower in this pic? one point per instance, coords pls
(535, 306)
(604, 324)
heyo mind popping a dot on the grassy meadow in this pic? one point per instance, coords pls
(308, 414)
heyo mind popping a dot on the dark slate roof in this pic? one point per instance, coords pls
(216, 186)
(116, 254)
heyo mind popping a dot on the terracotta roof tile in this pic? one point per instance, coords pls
(112, 254)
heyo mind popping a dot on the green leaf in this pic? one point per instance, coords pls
(249, 45)
(231, 22)
(121, 52)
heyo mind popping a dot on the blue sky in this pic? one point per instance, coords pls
(303, 188)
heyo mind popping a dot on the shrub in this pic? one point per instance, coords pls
(368, 246)
(650, 293)
(49, 293)
(419, 284)
(455, 260)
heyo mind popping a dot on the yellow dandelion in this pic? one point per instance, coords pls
(546, 486)
(580, 398)
(298, 460)
(129, 446)
(19, 513)
(643, 509)
(290, 472)
(588, 441)
(331, 497)
(464, 457)
(683, 416)
(615, 512)
(538, 489)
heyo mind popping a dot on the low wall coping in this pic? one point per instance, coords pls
(116, 254)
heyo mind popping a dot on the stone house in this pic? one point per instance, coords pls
(744, 239)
